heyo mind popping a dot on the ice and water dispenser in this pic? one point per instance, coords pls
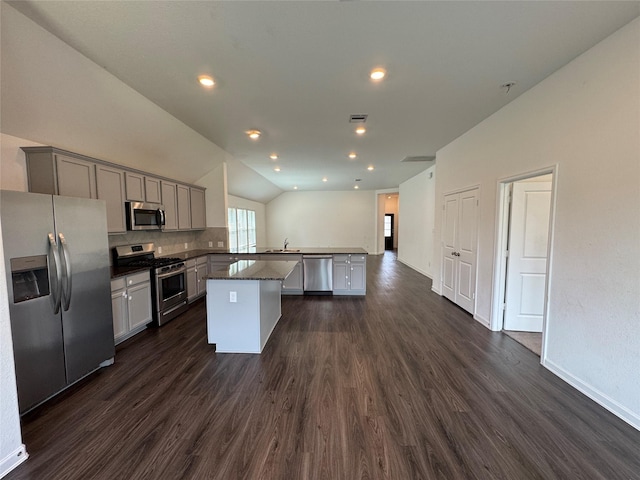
(30, 277)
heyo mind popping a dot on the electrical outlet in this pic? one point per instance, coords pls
(159, 249)
(233, 297)
(220, 244)
(186, 245)
(210, 244)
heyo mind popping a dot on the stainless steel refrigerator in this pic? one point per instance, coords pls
(56, 253)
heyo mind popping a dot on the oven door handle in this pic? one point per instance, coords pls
(170, 273)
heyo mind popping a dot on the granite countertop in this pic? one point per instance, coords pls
(255, 270)
(122, 271)
(188, 254)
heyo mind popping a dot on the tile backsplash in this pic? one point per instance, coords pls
(173, 242)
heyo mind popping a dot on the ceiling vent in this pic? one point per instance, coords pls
(358, 118)
(419, 158)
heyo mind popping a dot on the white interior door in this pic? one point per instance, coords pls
(527, 260)
(450, 244)
(460, 230)
(467, 246)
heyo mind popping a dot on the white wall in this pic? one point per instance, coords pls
(417, 205)
(216, 197)
(261, 216)
(323, 219)
(12, 451)
(13, 165)
(585, 118)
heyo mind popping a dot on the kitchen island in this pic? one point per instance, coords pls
(243, 304)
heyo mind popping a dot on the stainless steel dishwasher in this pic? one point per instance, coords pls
(318, 274)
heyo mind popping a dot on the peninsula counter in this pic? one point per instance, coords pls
(243, 304)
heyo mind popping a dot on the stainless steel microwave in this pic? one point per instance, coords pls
(144, 216)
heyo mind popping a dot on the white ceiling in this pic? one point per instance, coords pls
(297, 70)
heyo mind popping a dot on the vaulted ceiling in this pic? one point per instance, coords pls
(296, 71)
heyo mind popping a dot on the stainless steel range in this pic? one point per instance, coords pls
(169, 282)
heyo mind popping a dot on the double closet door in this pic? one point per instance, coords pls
(460, 239)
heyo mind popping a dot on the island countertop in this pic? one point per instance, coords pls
(254, 270)
(188, 254)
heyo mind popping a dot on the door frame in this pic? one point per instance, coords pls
(501, 242)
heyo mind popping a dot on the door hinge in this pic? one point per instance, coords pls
(504, 306)
(477, 203)
(473, 296)
(506, 254)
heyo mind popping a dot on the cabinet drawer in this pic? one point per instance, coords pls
(341, 258)
(137, 278)
(191, 263)
(358, 258)
(118, 283)
(201, 260)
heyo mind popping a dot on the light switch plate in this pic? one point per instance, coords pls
(186, 245)
(220, 244)
(159, 249)
(210, 244)
(233, 297)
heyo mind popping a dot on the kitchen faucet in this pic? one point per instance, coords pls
(286, 243)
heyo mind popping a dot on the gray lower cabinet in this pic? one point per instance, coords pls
(111, 186)
(293, 284)
(197, 271)
(350, 274)
(131, 304)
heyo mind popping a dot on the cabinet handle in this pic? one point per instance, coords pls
(124, 294)
(130, 297)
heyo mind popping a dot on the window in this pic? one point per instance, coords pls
(387, 225)
(242, 230)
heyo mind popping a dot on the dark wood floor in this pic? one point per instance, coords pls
(398, 385)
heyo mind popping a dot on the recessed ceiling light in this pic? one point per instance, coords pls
(254, 134)
(273, 156)
(324, 179)
(356, 187)
(295, 187)
(353, 155)
(361, 130)
(277, 169)
(370, 168)
(206, 81)
(378, 73)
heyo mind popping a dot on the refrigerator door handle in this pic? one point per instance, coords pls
(66, 286)
(56, 279)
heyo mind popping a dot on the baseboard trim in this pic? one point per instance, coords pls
(483, 321)
(12, 460)
(594, 394)
(434, 289)
(415, 268)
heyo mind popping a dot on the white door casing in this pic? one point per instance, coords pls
(460, 235)
(527, 260)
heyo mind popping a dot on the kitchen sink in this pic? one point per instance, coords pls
(280, 250)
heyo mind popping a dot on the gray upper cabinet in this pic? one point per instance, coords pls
(170, 203)
(110, 183)
(198, 209)
(135, 187)
(152, 190)
(184, 207)
(76, 178)
(57, 173)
